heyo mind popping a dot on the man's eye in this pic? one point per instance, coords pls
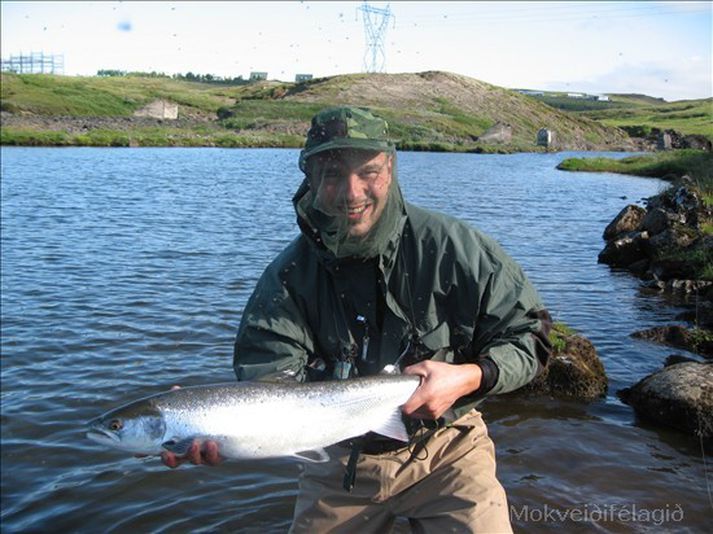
(369, 175)
(332, 176)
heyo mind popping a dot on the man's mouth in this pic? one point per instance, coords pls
(356, 212)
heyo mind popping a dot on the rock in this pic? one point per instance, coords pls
(669, 269)
(640, 267)
(656, 221)
(668, 240)
(687, 286)
(673, 359)
(624, 251)
(628, 220)
(679, 396)
(685, 199)
(699, 340)
(574, 372)
(697, 142)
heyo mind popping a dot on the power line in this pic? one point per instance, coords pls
(474, 18)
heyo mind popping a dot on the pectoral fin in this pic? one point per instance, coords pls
(315, 456)
(179, 447)
(393, 427)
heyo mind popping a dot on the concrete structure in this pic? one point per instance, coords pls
(498, 133)
(664, 141)
(258, 76)
(528, 92)
(302, 77)
(603, 98)
(545, 138)
(159, 109)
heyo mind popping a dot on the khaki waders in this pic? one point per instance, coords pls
(448, 486)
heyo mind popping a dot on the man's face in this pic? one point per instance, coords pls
(353, 184)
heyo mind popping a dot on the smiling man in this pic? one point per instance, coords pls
(372, 282)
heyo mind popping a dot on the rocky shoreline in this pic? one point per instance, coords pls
(669, 246)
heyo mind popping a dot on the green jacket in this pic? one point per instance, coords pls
(442, 290)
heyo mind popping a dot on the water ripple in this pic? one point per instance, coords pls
(126, 271)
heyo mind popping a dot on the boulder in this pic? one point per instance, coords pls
(685, 200)
(679, 396)
(628, 220)
(624, 251)
(697, 142)
(656, 221)
(574, 372)
(669, 240)
(673, 359)
(699, 340)
(669, 269)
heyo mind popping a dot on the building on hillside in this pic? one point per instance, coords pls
(302, 77)
(498, 133)
(545, 138)
(529, 92)
(603, 98)
(158, 109)
(257, 76)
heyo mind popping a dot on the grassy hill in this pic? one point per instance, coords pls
(639, 114)
(426, 111)
(684, 116)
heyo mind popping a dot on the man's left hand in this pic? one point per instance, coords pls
(441, 385)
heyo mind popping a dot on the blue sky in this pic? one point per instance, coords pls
(662, 49)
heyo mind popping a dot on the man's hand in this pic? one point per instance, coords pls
(441, 385)
(200, 453)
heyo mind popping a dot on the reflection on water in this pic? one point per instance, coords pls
(125, 271)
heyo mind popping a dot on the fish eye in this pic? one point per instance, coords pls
(116, 424)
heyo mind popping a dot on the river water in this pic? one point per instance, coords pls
(125, 271)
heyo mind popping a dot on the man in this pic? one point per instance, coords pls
(373, 281)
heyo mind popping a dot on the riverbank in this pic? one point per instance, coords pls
(668, 165)
(669, 245)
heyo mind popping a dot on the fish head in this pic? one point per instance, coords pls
(138, 428)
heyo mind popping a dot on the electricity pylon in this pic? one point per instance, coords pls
(375, 23)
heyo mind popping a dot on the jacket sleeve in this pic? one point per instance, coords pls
(512, 327)
(273, 339)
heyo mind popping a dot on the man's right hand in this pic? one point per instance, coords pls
(200, 453)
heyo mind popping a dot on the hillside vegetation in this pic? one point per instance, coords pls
(426, 111)
(685, 116)
(639, 114)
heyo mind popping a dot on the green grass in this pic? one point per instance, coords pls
(46, 94)
(557, 336)
(162, 137)
(686, 117)
(670, 164)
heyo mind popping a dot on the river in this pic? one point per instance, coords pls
(125, 271)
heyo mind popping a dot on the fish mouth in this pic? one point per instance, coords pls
(100, 435)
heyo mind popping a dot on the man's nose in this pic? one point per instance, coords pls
(353, 188)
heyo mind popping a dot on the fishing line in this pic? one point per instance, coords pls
(705, 465)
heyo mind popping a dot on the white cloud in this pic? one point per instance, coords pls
(686, 79)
